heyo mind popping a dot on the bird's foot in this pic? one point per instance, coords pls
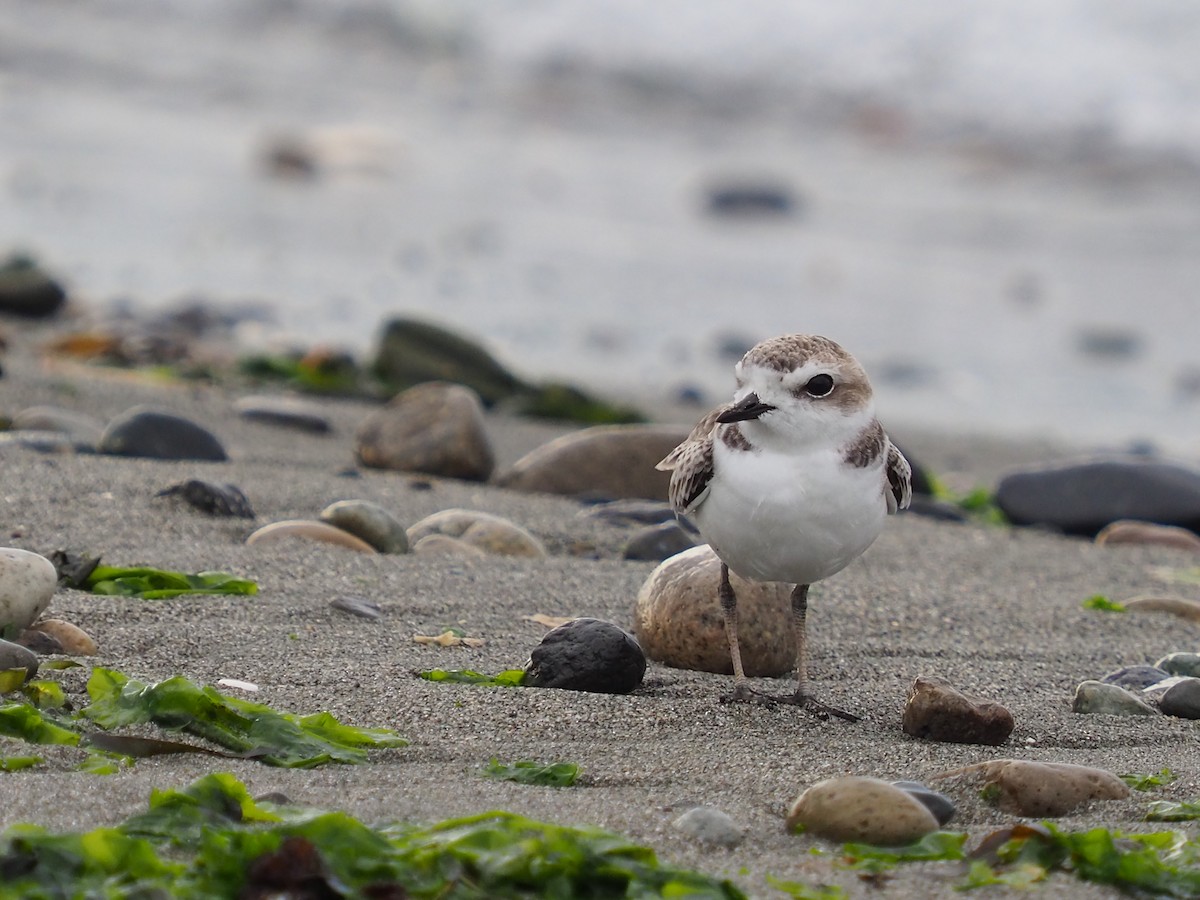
(743, 693)
(821, 710)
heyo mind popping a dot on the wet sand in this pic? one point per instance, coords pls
(994, 611)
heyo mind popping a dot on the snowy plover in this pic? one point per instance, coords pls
(791, 481)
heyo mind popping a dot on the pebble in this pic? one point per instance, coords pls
(435, 428)
(491, 534)
(283, 412)
(1128, 531)
(608, 461)
(39, 642)
(937, 711)
(444, 545)
(27, 582)
(80, 427)
(1182, 700)
(369, 521)
(857, 808)
(709, 825)
(14, 656)
(151, 433)
(310, 531)
(658, 542)
(587, 655)
(750, 200)
(1136, 678)
(212, 498)
(27, 290)
(940, 805)
(411, 352)
(1180, 664)
(358, 606)
(1098, 698)
(1036, 789)
(677, 618)
(71, 639)
(1083, 499)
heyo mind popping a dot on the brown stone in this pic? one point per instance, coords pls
(856, 808)
(309, 531)
(72, 640)
(491, 534)
(444, 545)
(436, 428)
(677, 618)
(1038, 789)
(611, 461)
(938, 712)
(1177, 606)
(1133, 531)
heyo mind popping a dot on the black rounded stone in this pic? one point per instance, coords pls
(1182, 699)
(1136, 678)
(1082, 499)
(940, 805)
(212, 498)
(153, 434)
(27, 291)
(658, 542)
(587, 655)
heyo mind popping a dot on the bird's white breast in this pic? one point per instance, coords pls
(793, 517)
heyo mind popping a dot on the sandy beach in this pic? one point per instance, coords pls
(995, 611)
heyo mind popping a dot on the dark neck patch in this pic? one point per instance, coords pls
(867, 447)
(732, 437)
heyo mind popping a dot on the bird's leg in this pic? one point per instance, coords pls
(802, 698)
(741, 690)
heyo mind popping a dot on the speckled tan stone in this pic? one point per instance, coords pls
(491, 534)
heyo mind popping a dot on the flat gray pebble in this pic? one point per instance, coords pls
(709, 825)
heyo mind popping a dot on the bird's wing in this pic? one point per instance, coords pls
(691, 464)
(899, 476)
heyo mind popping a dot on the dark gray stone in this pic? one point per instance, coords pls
(14, 656)
(658, 542)
(1098, 698)
(1082, 499)
(940, 805)
(358, 606)
(369, 521)
(1182, 699)
(587, 655)
(1180, 664)
(643, 512)
(151, 433)
(212, 498)
(283, 412)
(709, 825)
(1135, 678)
(27, 291)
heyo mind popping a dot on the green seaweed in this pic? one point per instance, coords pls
(21, 719)
(938, 845)
(528, 772)
(278, 739)
(1170, 811)
(507, 678)
(1103, 604)
(798, 890)
(148, 583)
(1149, 782)
(17, 763)
(212, 840)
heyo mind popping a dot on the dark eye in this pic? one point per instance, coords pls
(819, 386)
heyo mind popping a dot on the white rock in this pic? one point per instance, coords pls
(27, 582)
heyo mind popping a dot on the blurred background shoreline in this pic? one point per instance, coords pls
(997, 209)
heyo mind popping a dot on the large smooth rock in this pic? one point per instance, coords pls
(412, 352)
(491, 534)
(1082, 499)
(937, 711)
(435, 428)
(70, 638)
(677, 618)
(856, 808)
(1130, 531)
(147, 432)
(306, 530)
(587, 655)
(1037, 789)
(27, 582)
(610, 461)
(1180, 664)
(369, 521)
